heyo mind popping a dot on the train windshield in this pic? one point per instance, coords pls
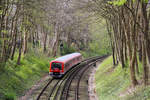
(56, 65)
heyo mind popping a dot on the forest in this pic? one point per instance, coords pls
(34, 32)
(51, 28)
(47, 24)
(128, 28)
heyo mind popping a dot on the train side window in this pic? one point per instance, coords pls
(67, 64)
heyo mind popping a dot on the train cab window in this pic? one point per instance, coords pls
(57, 65)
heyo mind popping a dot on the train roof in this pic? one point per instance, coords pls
(67, 57)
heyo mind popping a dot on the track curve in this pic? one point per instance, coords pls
(61, 88)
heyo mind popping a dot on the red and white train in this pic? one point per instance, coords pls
(61, 65)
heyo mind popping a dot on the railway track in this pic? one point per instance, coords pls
(68, 87)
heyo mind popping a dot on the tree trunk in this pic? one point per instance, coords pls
(145, 45)
(132, 69)
(145, 67)
(14, 43)
(111, 41)
(45, 41)
(55, 43)
(136, 64)
(25, 42)
(140, 49)
(20, 52)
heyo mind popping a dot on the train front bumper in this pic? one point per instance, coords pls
(53, 74)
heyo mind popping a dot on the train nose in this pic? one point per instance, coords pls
(56, 70)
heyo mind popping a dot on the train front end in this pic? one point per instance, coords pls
(56, 69)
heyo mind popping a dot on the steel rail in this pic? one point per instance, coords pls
(67, 80)
(38, 98)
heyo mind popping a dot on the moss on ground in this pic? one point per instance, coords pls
(110, 82)
(16, 79)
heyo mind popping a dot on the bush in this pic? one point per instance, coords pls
(10, 96)
(15, 79)
(67, 50)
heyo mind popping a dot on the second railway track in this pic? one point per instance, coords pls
(70, 86)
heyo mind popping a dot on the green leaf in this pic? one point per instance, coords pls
(4, 31)
(118, 2)
(1, 12)
(145, 1)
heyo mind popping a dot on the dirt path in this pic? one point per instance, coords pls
(38, 86)
(92, 86)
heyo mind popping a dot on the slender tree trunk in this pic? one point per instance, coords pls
(132, 70)
(133, 63)
(113, 54)
(137, 68)
(125, 51)
(25, 42)
(14, 42)
(145, 67)
(145, 45)
(111, 41)
(140, 48)
(55, 44)
(45, 41)
(20, 52)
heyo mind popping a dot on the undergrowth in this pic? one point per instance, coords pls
(111, 82)
(15, 79)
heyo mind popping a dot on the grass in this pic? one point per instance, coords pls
(110, 82)
(16, 79)
(142, 93)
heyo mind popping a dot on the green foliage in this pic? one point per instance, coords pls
(15, 79)
(4, 31)
(122, 2)
(117, 2)
(1, 12)
(10, 96)
(145, 1)
(100, 44)
(67, 50)
(110, 82)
